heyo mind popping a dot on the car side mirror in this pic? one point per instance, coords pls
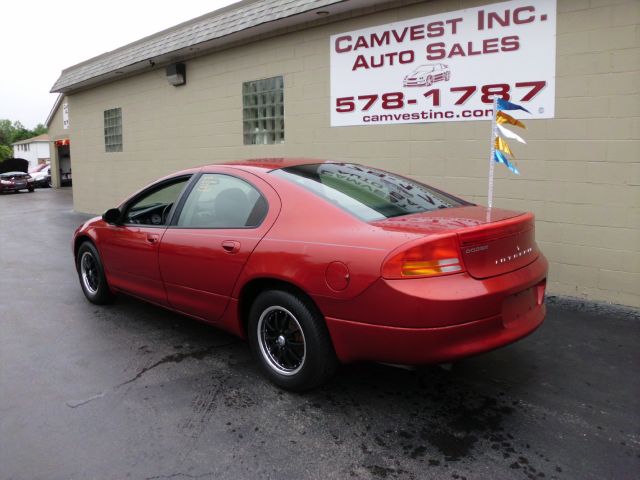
(112, 216)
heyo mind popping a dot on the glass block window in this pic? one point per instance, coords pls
(263, 111)
(113, 130)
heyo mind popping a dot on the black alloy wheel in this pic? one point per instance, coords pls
(281, 340)
(290, 340)
(91, 275)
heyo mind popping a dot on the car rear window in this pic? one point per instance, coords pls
(367, 193)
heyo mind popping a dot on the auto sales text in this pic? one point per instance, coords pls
(438, 50)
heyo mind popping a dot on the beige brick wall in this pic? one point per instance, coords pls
(580, 171)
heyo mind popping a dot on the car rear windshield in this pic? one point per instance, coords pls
(367, 193)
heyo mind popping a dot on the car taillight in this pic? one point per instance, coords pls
(438, 256)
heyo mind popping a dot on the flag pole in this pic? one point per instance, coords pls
(492, 162)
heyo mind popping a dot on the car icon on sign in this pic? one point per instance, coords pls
(426, 75)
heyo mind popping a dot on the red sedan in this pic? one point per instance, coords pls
(318, 263)
(16, 181)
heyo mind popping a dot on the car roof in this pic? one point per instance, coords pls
(263, 165)
(271, 163)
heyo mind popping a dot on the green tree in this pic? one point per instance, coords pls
(5, 152)
(20, 132)
(39, 130)
(6, 132)
(11, 132)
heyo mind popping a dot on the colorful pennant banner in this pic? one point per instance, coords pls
(503, 146)
(500, 150)
(502, 158)
(503, 104)
(505, 132)
(506, 118)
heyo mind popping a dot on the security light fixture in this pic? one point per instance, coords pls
(177, 74)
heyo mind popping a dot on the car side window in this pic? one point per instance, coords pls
(153, 207)
(222, 201)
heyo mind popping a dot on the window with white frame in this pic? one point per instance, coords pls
(263, 111)
(113, 130)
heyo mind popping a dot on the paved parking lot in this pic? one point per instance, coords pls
(133, 391)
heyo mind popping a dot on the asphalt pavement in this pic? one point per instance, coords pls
(131, 391)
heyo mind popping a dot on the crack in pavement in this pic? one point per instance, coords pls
(79, 403)
(173, 358)
(176, 358)
(174, 475)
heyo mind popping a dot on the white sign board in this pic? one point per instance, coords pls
(446, 67)
(65, 116)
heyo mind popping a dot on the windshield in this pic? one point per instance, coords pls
(367, 193)
(38, 168)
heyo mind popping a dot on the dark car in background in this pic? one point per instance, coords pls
(16, 181)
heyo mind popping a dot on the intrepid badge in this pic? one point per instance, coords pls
(518, 254)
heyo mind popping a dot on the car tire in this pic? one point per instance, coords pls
(290, 340)
(31, 190)
(429, 81)
(91, 275)
(447, 76)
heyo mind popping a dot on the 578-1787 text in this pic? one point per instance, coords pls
(397, 100)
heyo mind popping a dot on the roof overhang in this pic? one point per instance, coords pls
(187, 40)
(53, 111)
(43, 138)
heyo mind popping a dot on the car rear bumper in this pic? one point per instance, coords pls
(447, 320)
(10, 188)
(355, 341)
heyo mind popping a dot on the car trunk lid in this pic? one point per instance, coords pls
(499, 247)
(492, 242)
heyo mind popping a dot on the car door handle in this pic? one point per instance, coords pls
(152, 238)
(231, 246)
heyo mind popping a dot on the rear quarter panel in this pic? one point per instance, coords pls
(308, 236)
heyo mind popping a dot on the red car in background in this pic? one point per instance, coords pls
(16, 181)
(318, 263)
